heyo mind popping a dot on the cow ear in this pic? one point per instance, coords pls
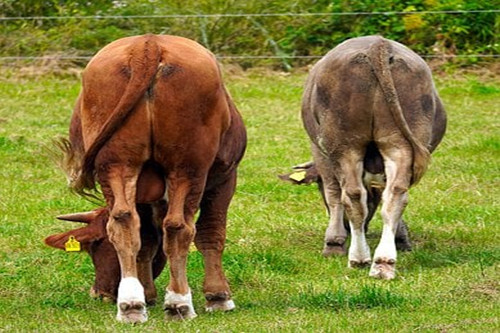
(86, 236)
(304, 174)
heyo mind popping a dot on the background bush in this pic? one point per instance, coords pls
(426, 33)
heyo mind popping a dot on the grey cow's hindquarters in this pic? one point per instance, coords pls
(370, 107)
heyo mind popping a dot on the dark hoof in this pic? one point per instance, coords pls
(359, 264)
(334, 249)
(132, 312)
(384, 269)
(220, 301)
(103, 296)
(178, 312)
(403, 245)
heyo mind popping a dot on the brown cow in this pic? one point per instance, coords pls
(153, 110)
(373, 115)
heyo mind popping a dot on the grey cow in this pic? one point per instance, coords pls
(373, 115)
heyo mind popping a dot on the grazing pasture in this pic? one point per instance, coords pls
(280, 281)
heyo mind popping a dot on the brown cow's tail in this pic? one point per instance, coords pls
(380, 56)
(143, 64)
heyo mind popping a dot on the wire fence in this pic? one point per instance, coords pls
(63, 57)
(103, 17)
(239, 57)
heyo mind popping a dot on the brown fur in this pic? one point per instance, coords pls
(154, 116)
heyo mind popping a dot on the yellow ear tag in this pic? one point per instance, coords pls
(298, 176)
(192, 248)
(72, 245)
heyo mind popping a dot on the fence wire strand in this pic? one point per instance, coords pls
(240, 15)
(243, 57)
(114, 17)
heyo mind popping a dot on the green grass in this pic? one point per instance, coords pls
(449, 282)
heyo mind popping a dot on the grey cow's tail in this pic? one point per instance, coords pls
(379, 57)
(144, 60)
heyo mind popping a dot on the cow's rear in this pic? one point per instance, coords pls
(373, 115)
(159, 101)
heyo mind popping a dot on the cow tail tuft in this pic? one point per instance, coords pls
(143, 63)
(379, 56)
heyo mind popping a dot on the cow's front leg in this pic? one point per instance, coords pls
(395, 198)
(210, 239)
(178, 229)
(124, 232)
(336, 233)
(151, 242)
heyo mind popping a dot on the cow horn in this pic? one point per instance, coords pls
(84, 217)
(303, 166)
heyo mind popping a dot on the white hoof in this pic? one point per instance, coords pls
(178, 306)
(131, 302)
(359, 251)
(384, 269)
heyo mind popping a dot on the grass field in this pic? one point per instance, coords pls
(280, 281)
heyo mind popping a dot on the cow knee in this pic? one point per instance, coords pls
(354, 201)
(397, 192)
(398, 189)
(354, 194)
(121, 215)
(173, 222)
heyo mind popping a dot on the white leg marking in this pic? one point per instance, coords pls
(178, 306)
(387, 246)
(131, 301)
(359, 251)
(221, 306)
(384, 260)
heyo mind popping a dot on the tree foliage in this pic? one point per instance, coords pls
(426, 32)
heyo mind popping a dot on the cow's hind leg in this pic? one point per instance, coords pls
(124, 232)
(184, 194)
(336, 232)
(397, 163)
(210, 239)
(354, 200)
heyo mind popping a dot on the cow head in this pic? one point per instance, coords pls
(303, 174)
(94, 240)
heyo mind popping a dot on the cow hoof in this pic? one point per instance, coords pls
(105, 297)
(403, 245)
(218, 302)
(178, 307)
(131, 302)
(383, 269)
(179, 312)
(151, 301)
(333, 249)
(359, 264)
(214, 306)
(132, 312)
